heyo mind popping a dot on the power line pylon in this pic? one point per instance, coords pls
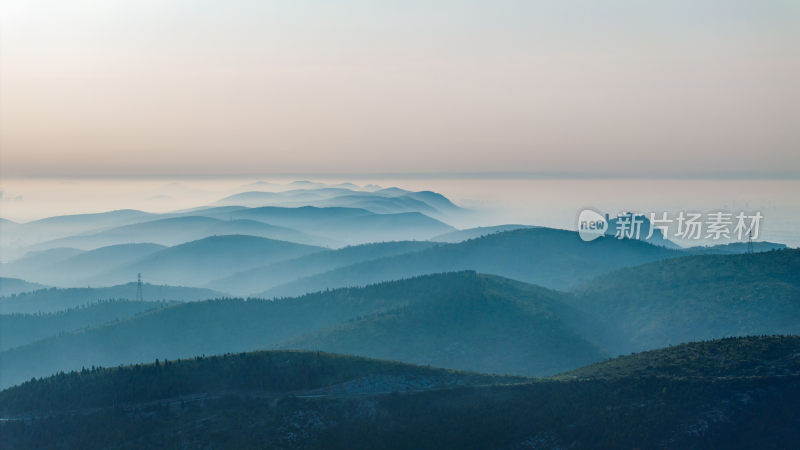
(139, 296)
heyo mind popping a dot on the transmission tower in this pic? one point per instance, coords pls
(139, 296)
(750, 242)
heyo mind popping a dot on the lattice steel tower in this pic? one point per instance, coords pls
(139, 296)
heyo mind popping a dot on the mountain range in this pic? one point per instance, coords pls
(460, 320)
(545, 256)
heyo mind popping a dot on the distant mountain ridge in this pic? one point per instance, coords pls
(195, 263)
(473, 233)
(383, 201)
(177, 230)
(548, 257)
(260, 278)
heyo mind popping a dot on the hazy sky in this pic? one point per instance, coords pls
(228, 87)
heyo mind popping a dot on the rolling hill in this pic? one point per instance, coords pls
(552, 258)
(695, 298)
(484, 323)
(55, 299)
(265, 277)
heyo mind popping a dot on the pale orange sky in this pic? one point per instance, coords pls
(199, 87)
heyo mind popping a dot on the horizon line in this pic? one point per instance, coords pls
(429, 175)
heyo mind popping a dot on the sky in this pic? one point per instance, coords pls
(155, 87)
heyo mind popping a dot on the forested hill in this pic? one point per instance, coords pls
(695, 298)
(264, 372)
(55, 299)
(483, 322)
(750, 356)
(318, 400)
